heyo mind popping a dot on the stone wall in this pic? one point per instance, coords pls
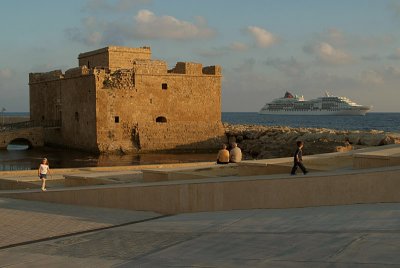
(113, 57)
(186, 136)
(190, 105)
(34, 136)
(45, 95)
(78, 128)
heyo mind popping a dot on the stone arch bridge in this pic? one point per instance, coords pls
(24, 133)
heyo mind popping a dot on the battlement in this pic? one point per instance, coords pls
(150, 67)
(193, 68)
(76, 72)
(212, 70)
(47, 76)
(114, 57)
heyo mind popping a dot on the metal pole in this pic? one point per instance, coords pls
(2, 114)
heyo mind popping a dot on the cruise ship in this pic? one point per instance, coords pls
(327, 105)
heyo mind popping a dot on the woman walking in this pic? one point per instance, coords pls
(42, 172)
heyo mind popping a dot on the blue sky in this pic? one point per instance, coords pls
(348, 47)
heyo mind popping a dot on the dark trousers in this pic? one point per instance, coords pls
(300, 165)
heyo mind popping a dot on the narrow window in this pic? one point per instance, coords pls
(161, 119)
(116, 119)
(164, 86)
(77, 116)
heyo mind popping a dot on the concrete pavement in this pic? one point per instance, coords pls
(26, 221)
(338, 236)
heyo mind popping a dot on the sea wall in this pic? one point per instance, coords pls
(259, 142)
(13, 119)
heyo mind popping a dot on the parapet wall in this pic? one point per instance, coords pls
(113, 57)
(47, 76)
(149, 67)
(76, 72)
(192, 68)
(223, 194)
(212, 70)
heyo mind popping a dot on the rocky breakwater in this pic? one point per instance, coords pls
(258, 142)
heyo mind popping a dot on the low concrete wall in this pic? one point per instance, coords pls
(352, 187)
(15, 184)
(372, 161)
(267, 169)
(155, 176)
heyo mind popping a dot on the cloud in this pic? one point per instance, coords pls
(212, 52)
(109, 6)
(6, 73)
(290, 67)
(263, 38)
(386, 74)
(238, 46)
(332, 36)
(372, 77)
(88, 38)
(328, 54)
(391, 72)
(335, 36)
(150, 26)
(394, 6)
(372, 57)
(145, 25)
(395, 55)
(246, 66)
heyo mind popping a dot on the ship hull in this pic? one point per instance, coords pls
(318, 112)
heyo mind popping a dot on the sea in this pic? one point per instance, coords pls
(16, 157)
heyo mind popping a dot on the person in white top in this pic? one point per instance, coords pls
(43, 170)
(235, 155)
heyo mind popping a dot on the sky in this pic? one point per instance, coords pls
(347, 47)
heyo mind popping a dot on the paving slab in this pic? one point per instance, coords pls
(25, 221)
(337, 236)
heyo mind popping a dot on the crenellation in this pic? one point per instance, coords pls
(76, 72)
(189, 68)
(212, 70)
(153, 67)
(47, 76)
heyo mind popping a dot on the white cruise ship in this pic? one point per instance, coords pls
(328, 105)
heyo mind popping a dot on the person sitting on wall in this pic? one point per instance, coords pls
(235, 155)
(223, 155)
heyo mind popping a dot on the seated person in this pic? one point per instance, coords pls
(235, 155)
(223, 155)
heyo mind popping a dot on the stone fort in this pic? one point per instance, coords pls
(120, 100)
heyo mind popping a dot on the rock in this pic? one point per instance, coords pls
(279, 141)
(372, 139)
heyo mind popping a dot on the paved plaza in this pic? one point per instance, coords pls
(35, 234)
